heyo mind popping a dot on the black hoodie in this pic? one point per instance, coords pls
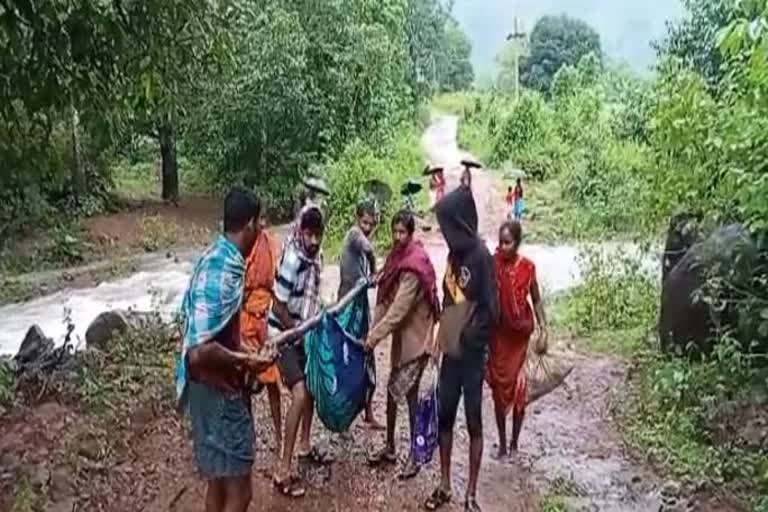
(471, 262)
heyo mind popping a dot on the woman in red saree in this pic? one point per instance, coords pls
(516, 281)
(260, 269)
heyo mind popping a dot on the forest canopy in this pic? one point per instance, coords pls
(248, 92)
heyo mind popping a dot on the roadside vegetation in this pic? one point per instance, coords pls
(611, 155)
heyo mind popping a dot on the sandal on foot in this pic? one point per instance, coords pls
(316, 456)
(409, 470)
(471, 505)
(437, 499)
(290, 487)
(500, 456)
(382, 456)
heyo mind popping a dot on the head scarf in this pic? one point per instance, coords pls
(410, 257)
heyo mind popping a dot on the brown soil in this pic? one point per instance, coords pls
(113, 244)
(191, 221)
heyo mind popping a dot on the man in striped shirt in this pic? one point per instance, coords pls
(297, 298)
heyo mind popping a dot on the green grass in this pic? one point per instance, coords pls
(553, 503)
(25, 498)
(671, 404)
(452, 103)
(549, 218)
(139, 180)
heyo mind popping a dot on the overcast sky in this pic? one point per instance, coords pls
(626, 27)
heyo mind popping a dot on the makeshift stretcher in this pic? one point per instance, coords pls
(339, 373)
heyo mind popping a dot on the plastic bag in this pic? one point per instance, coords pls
(425, 438)
(545, 373)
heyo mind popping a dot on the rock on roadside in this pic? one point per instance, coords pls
(107, 324)
(34, 345)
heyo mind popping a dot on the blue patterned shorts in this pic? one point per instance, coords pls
(222, 431)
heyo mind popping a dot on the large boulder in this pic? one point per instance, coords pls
(34, 345)
(104, 327)
(688, 324)
(682, 233)
(110, 323)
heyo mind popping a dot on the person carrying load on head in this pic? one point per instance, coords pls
(313, 192)
(407, 308)
(466, 174)
(409, 190)
(436, 182)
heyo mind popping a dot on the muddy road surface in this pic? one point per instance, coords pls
(569, 445)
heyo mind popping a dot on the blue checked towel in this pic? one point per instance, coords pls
(213, 297)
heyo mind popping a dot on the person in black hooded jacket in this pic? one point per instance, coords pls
(471, 309)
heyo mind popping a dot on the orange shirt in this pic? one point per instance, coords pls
(260, 269)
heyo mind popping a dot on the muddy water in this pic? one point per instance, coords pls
(160, 282)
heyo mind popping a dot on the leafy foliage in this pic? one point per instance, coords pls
(246, 92)
(626, 154)
(556, 41)
(693, 40)
(394, 159)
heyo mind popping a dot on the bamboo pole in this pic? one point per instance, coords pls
(296, 333)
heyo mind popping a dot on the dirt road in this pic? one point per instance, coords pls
(569, 445)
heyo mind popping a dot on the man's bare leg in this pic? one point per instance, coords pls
(238, 493)
(306, 424)
(215, 495)
(475, 458)
(292, 418)
(446, 447)
(273, 393)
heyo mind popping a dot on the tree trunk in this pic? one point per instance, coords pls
(78, 178)
(170, 166)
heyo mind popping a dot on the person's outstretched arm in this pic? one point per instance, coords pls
(405, 299)
(212, 356)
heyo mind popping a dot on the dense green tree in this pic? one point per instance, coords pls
(253, 91)
(556, 41)
(693, 40)
(457, 73)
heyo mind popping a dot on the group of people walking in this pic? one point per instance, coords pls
(244, 290)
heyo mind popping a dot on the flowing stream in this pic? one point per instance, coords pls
(160, 281)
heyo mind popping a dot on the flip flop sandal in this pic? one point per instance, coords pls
(317, 457)
(383, 456)
(471, 505)
(410, 470)
(437, 499)
(291, 487)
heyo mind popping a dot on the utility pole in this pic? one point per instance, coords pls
(518, 36)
